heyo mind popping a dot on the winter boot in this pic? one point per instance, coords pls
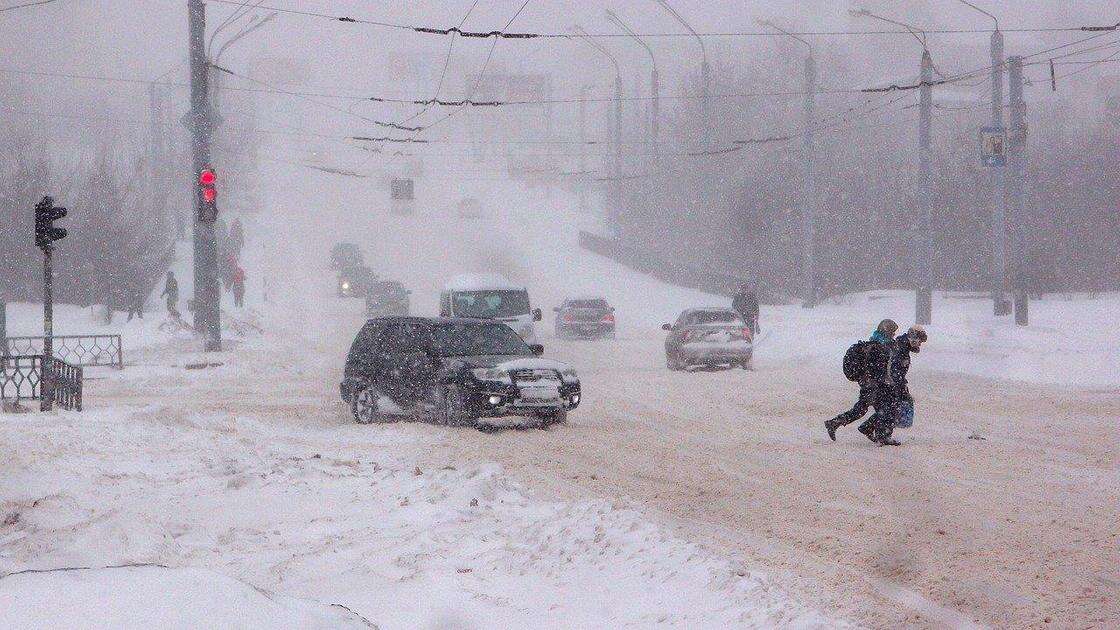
(831, 426)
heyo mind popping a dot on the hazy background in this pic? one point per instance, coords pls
(734, 213)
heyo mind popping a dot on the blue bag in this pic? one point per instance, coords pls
(905, 415)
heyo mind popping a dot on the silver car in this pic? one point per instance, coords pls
(711, 337)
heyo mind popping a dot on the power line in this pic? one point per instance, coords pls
(502, 34)
(25, 5)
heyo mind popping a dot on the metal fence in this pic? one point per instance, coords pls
(81, 350)
(21, 378)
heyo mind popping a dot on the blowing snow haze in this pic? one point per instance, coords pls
(558, 313)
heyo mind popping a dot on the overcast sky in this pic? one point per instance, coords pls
(146, 39)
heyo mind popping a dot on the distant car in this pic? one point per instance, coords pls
(584, 318)
(355, 281)
(708, 336)
(459, 370)
(346, 255)
(387, 298)
(470, 208)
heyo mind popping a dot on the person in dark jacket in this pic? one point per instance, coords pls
(745, 304)
(136, 301)
(874, 382)
(888, 410)
(171, 292)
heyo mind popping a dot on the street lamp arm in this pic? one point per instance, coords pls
(913, 30)
(979, 10)
(249, 28)
(673, 12)
(774, 26)
(618, 22)
(583, 36)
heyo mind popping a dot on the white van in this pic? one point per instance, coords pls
(490, 296)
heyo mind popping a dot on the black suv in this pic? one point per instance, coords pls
(458, 370)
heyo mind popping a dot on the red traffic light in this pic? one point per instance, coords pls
(207, 177)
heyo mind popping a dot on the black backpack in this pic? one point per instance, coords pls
(855, 361)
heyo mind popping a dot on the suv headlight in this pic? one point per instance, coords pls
(492, 374)
(569, 375)
(526, 331)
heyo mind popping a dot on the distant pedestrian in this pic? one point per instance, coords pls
(136, 299)
(868, 363)
(236, 238)
(238, 287)
(745, 303)
(171, 292)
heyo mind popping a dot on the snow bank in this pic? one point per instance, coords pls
(155, 597)
(383, 519)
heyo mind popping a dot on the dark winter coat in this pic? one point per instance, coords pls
(746, 304)
(900, 365)
(171, 289)
(879, 354)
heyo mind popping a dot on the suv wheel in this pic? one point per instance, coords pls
(364, 406)
(453, 410)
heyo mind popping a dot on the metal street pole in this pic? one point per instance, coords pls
(809, 196)
(1000, 280)
(809, 219)
(1017, 162)
(207, 311)
(655, 86)
(705, 74)
(923, 276)
(46, 385)
(582, 178)
(611, 214)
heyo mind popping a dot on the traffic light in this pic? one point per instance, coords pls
(45, 216)
(208, 195)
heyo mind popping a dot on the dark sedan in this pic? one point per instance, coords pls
(585, 318)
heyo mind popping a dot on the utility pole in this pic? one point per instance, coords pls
(207, 313)
(1000, 282)
(923, 274)
(1017, 162)
(655, 86)
(582, 178)
(808, 218)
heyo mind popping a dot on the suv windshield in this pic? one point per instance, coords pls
(470, 339)
(714, 317)
(490, 304)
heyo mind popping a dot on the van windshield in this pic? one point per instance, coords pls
(490, 304)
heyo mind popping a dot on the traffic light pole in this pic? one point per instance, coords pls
(1017, 161)
(47, 384)
(207, 313)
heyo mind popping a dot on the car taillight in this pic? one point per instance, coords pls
(608, 318)
(747, 333)
(568, 317)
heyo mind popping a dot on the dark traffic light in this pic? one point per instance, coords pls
(45, 216)
(208, 195)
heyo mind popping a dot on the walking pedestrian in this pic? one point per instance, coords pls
(236, 238)
(745, 303)
(238, 287)
(867, 363)
(884, 421)
(171, 292)
(136, 301)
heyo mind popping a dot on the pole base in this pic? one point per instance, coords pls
(923, 307)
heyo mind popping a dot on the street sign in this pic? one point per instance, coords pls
(401, 189)
(993, 146)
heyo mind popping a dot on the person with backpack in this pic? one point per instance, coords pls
(868, 363)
